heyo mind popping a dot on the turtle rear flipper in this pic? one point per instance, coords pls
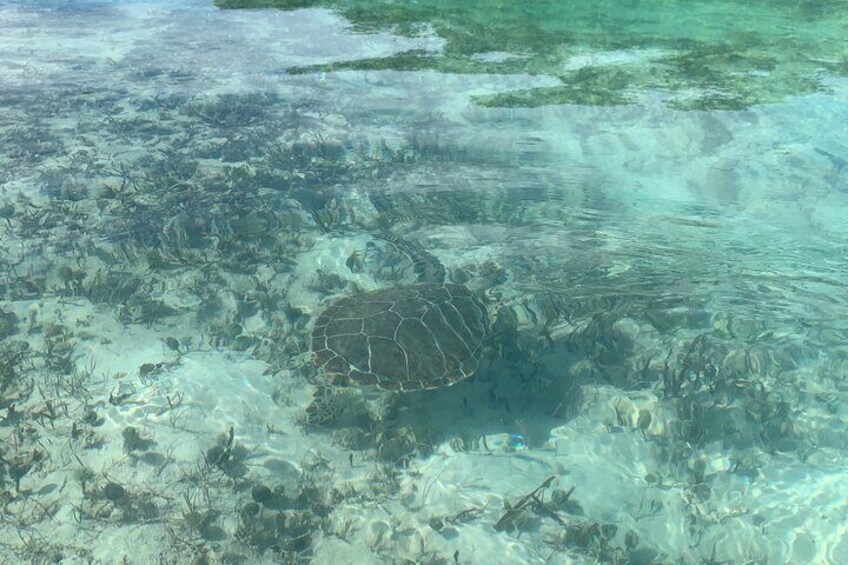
(330, 405)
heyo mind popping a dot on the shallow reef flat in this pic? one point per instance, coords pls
(659, 359)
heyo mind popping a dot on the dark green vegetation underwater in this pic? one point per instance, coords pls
(704, 54)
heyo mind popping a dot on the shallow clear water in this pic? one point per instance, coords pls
(652, 197)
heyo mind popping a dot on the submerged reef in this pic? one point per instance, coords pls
(704, 55)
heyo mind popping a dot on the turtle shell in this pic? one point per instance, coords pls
(409, 338)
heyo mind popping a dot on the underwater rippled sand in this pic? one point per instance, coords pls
(652, 201)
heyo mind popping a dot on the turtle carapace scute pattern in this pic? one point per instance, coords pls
(402, 339)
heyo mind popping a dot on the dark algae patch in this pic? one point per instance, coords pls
(703, 55)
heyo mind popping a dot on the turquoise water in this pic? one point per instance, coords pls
(649, 197)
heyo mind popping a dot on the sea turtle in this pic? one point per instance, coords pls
(408, 338)
(428, 330)
(415, 336)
